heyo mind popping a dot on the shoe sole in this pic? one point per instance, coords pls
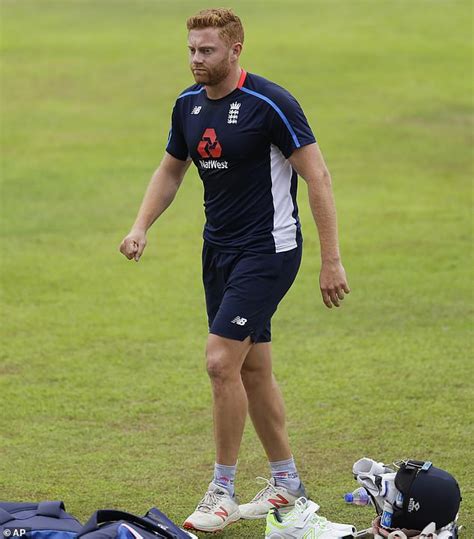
(190, 526)
(283, 510)
(278, 535)
(257, 517)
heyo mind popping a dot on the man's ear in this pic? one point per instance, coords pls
(236, 49)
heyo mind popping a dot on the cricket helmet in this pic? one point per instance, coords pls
(429, 495)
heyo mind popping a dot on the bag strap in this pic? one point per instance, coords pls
(157, 516)
(50, 509)
(5, 516)
(112, 515)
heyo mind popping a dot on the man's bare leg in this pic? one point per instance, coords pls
(219, 507)
(265, 402)
(224, 362)
(267, 411)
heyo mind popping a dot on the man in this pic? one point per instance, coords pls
(248, 138)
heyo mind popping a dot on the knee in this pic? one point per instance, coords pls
(217, 365)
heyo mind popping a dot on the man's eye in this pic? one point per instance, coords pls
(207, 51)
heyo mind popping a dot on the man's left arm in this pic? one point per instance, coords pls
(309, 164)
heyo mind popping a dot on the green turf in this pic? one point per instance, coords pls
(104, 399)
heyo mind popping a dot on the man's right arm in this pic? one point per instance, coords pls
(160, 193)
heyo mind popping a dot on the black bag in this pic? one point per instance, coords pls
(429, 495)
(44, 520)
(112, 524)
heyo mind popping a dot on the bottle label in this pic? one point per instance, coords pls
(386, 519)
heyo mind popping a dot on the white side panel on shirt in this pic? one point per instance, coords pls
(284, 224)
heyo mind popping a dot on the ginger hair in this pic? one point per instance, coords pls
(229, 25)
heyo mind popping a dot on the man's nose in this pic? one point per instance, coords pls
(197, 58)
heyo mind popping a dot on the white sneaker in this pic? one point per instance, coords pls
(270, 497)
(214, 512)
(303, 522)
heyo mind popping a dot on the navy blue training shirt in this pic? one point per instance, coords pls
(240, 145)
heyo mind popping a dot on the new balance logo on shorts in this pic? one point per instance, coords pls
(239, 321)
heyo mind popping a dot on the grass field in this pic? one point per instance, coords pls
(104, 399)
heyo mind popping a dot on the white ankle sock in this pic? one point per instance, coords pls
(285, 474)
(224, 476)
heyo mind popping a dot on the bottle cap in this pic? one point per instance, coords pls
(349, 497)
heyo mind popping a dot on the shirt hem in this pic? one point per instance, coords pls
(284, 248)
(254, 249)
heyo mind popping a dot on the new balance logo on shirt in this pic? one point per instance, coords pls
(239, 321)
(196, 110)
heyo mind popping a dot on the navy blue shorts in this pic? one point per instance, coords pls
(243, 290)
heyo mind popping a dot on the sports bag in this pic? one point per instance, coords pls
(44, 520)
(114, 524)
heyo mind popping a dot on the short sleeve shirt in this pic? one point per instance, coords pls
(240, 145)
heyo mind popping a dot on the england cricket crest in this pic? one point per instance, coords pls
(233, 113)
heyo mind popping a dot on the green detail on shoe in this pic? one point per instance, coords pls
(272, 521)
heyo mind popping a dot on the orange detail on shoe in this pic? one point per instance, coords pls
(280, 501)
(223, 514)
(243, 75)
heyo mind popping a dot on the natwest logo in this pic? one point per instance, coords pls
(213, 164)
(209, 146)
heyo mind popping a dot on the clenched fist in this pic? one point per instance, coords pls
(133, 244)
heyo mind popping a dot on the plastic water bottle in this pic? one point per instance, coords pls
(399, 500)
(359, 497)
(386, 518)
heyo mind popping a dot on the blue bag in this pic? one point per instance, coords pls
(44, 520)
(113, 524)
